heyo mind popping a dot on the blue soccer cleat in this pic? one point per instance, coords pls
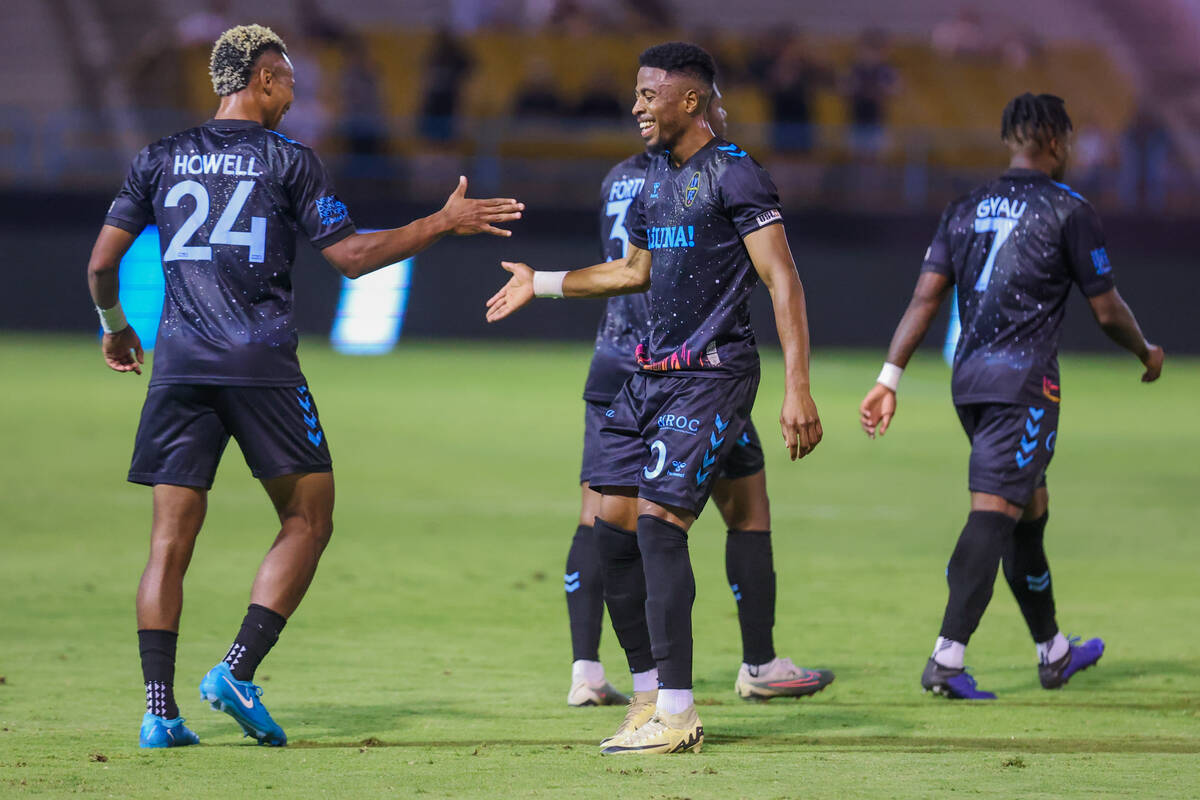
(162, 732)
(239, 699)
(956, 684)
(1077, 659)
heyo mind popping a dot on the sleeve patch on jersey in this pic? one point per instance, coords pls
(767, 217)
(331, 210)
(1100, 260)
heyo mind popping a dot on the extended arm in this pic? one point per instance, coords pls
(361, 253)
(122, 349)
(1117, 320)
(627, 275)
(772, 259)
(879, 406)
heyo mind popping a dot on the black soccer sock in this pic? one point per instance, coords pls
(157, 649)
(625, 592)
(670, 591)
(259, 633)
(750, 568)
(972, 571)
(1028, 575)
(584, 584)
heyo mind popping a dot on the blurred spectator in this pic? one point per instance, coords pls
(1091, 158)
(1145, 148)
(446, 70)
(1019, 48)
(766, 54)
(362, 119)
(961, 36)
(871, 81)
(308, 118)
(600, 102)
(791, 83)
(658, 14)
(538, 96)
(205, 23)
(317, 26)
(572, 17)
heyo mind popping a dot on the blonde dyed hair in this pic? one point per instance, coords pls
(234, 54)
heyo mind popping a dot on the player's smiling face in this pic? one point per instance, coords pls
(660, 108)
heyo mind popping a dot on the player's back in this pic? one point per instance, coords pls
(1014, 246)
(229, 197)
(626, 319)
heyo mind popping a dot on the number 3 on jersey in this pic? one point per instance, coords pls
(618, 209)
(223, 233)
(1002, 226)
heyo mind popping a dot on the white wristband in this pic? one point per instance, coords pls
(889, 376)
(112, 320)
(548, 284)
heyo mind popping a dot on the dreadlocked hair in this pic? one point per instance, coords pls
(234, 54)
(681, 57)
(1037, 119)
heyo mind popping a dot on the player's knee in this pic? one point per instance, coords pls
(745, 507)
(320, 531)
(171, 550)
(1038, 506)
(314, 528)
(751, 518)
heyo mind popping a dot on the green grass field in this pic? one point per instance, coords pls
(431, 656)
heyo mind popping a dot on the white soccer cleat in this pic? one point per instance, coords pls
(585, 694)
(641, 709)
(664, 734)
(780, 678)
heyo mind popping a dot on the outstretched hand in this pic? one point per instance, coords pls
(466, 216)
(123, 350)
(877, 409)
(1153, 363)
(513, 295)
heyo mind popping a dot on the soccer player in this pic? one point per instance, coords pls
(229, 198)
(1013, 247)
(740, 493)
(704, 228)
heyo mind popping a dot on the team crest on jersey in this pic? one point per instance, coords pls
(693, 189)
(331, 210)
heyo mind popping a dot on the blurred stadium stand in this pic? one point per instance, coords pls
(88, 82)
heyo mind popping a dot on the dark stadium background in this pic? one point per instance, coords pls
(87, 83)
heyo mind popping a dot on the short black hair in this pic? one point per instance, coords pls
(1034, 118)
(234, 54)
(681, 57)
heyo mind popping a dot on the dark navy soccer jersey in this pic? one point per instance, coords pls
(1014, 246)
(229, 198)
(626, 320)
(692, 219)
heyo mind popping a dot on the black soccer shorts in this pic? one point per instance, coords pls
(745, 459)
(1011, 447)
(184, 429)
(671, 437)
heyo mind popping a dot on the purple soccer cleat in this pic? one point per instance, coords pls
(956, 684)
(1078, 658)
